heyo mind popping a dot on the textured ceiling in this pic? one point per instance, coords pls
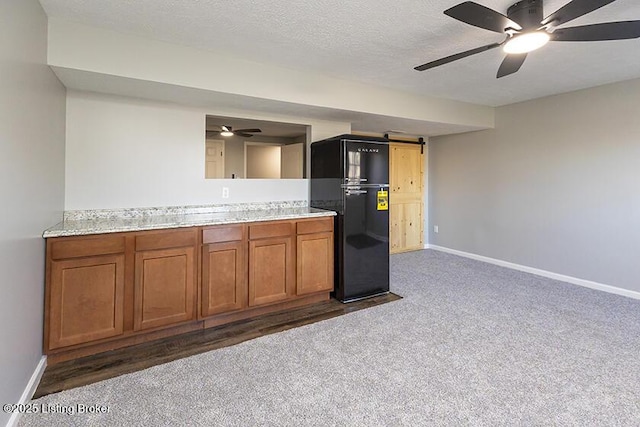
(375, 41)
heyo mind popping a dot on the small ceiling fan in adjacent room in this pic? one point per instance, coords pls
(526, 29)
(228, 131)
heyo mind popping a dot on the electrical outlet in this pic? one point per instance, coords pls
(225, 192)
(435, 228)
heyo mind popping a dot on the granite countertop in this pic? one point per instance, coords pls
(80, 223)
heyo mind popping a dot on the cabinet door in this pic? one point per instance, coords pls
(86, 299)
(164, 287)
(223, 278)
(314, 258)
(271, 270)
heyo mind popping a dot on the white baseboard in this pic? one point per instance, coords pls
(29, 390)
(551, 275)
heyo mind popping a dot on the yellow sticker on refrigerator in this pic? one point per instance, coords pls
(383, 200)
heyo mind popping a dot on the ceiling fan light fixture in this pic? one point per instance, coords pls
(226, 131)
(526, 29)
(526, 42)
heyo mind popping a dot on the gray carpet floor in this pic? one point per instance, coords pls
(470, 344)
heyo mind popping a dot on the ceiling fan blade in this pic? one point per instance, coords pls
(573, 10)
(481, 16)
(256, 130)
(511, 64)
(213, 132)
(455, 57)
(596, 32)
(246, 135)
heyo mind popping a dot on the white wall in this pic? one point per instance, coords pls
(124, 152)
(234, 157)
(554, 186)
(32, 109)
(263, 161)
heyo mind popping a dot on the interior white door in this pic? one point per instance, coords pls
(292, 161)
(214, 159)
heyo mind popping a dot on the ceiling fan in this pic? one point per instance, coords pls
(526, 30)
(228, 131)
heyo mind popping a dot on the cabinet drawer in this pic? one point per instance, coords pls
(274, 229)
(222, 234)
(166, 239)
(87, 246)
(315, 226)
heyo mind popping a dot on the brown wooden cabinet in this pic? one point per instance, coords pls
(165, 278)
(224, 285)
(314, 256)
(271, 263)
(112, 290)
(85, 291)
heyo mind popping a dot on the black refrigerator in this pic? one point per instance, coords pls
(350, 175)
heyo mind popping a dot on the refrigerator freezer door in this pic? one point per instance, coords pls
(365, 245)
(366, 163)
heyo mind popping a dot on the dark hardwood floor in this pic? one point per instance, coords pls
(98, 367)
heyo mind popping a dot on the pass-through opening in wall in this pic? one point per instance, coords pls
(245, 148)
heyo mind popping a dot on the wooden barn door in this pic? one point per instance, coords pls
(406, 201)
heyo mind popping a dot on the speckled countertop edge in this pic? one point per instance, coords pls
(100, 223)
(143, 212)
